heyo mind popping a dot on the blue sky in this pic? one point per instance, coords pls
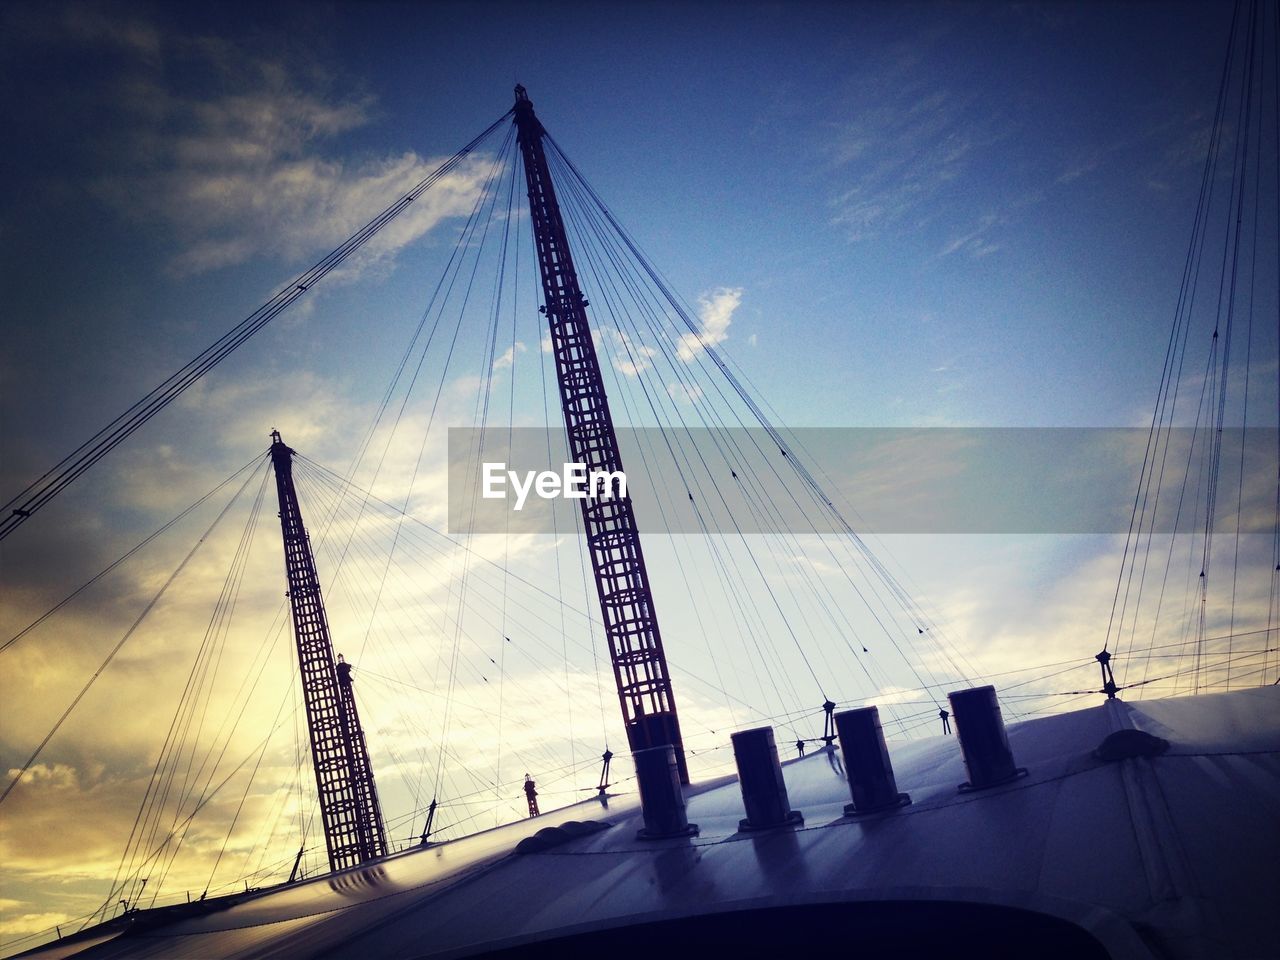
(886, 214)
(976, 201)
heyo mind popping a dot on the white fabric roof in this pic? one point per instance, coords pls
(1176, 855)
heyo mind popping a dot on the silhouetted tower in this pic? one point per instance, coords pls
(353, 830)
(622, 583)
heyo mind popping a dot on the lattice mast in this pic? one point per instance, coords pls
(622, 582)
(349, 809)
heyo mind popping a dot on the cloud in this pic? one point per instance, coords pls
(508, 358)
(684, 393)
(909, 138)
(286, 206)
(629, 368)
(974, 241)
(92, 26)
(1079, 169)
(18, 924)
(58, 775)
(1183, 144)
(631, 358)
(715, 313)
(252, 161)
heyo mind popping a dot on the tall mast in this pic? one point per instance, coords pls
(613, 541)
(353, 830)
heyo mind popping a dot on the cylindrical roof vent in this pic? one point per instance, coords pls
(983, 740)
(764, 792)
(658, 775)
(866, 761)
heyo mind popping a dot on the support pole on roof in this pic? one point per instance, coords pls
(829, 723)
(1108, 678)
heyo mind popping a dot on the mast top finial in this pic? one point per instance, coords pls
(522, 95)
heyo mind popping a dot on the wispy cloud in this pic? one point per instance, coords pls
(715, 313)
(91, 24)
(249, 180)
(1186, 143)
(906, 139)
(253, 160)
(1155, 152)
(632, 358)
(684, 393)
(974, 241)
(508, 357)
(1083, 166)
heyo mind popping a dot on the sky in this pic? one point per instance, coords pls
(886, 215)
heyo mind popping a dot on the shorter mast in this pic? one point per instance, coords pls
(349, 810)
